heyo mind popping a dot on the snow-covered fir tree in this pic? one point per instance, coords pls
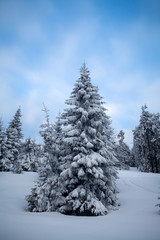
(4, 162)
(47, 132)
(13, 142)
(46, 195)
(89, 173)
(132, 162)
(147, 142)
(123, 152)
(26, 150)
(156, 142)
(40, 198)
(30, 154)
(37, 153)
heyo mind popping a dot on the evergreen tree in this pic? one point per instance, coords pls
(137, 148)
(30, 155)
(46, 195)
(4, 162)
(132, 162)
(40, 199)
(26, 149)
(36, 155)
(155, 142)
(47, 132)
(13, 142)
(89, 174)
(123, 152)
(147, 142)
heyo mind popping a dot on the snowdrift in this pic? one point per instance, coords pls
(136, 219)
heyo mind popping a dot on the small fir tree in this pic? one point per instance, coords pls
(123, 152)
(13, 142)
(26, 149)
(132, 162)
(30, 155)
(4, 162)
(46, 195)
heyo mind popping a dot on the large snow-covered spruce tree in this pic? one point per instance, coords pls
(89, 174)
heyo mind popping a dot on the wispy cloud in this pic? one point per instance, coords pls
(41, 61)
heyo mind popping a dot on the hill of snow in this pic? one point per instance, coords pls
(136, 219)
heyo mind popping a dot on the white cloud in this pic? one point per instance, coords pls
(8, 101)
(50, 83)
(124, 87)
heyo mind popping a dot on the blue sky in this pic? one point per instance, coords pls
(44, 43)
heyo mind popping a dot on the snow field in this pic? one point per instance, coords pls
(136, 219)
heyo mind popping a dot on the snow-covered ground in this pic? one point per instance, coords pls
(136, 219)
